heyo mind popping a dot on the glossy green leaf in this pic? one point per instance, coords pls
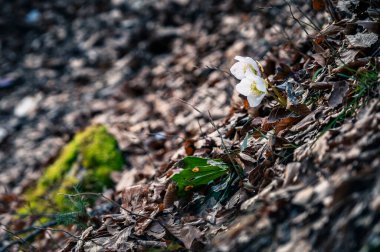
(198, 171)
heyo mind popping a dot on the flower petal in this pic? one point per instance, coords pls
(255, 101)
(237, 70)
(251, 100)
(251, 62)
(244, 86)
(260, 84)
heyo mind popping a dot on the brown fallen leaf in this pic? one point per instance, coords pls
(170, 195)
(362, 40)
(156, 230)
(331, 29)
(353, 64)
(189, 146)
(318, 5)
(239, 197)
(185, 233)
(246, 157)
(338, 92)
(307, 121)
(320, 58)
(266, 125)
(143, 223)
(277, 114)
(282, 72)
(372, 26)
(300, 109)
(286, 123)
(347, 57)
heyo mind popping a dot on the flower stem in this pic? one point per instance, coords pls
(278, 96)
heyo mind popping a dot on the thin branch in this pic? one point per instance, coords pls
(116, 204)
(225, 147)
(296, 19)
(330, 7)
(209, 117)
(19, 240)
(312, 24)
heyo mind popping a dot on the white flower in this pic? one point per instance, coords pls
(254, 87)
(245, 65)
(252, 84)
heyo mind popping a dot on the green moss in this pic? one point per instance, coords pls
(86, 161)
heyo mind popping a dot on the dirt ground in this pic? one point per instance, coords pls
(156, 73)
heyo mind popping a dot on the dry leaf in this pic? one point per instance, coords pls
(339, 91)
(185, 233)
(189, 147)
(277, 114)
(239, 197)
(170, 195)
(282, 72)
(300, 109)
(318, 5)
(266, 125)
(286, 123)
(372, 26)
(143, 223)
(246, 157)
(156, 230)
(362, 40)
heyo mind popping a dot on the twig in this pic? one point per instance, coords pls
(331, 10)
(26, 230)
(19, 240)
(296, 19)
(36, 230)
(313, 25)
(110, 200)
(116, 204)
(225, 147)
(209, 117)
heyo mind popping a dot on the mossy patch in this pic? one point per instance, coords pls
(85, 162)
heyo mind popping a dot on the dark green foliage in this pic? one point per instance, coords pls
(198, 171)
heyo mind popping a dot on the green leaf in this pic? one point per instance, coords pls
(198, 171)
(315, 75)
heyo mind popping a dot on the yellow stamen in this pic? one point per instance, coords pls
(246, 66)
(195, 169)
(254, 89)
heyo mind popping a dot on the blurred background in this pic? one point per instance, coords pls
(126, 63)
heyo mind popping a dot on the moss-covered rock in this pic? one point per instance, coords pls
(86, 161)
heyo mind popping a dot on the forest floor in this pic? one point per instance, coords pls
(300, 177)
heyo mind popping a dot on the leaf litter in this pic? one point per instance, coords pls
(310, 169)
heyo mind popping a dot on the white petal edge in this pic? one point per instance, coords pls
(260, 84)
(255, 101)
(237, 70)
(244, 86)
(250, 61)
